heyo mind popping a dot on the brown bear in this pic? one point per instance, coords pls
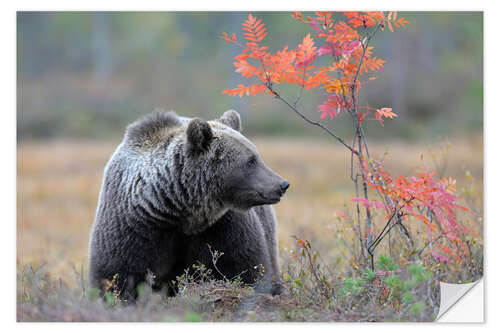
(177, 189)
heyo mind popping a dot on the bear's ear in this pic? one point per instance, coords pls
(232, 119)
(198, 136)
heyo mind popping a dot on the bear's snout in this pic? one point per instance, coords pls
(284, 186)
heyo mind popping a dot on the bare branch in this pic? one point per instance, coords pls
(358, 213)
(365, 47)
(365, 186)
(299, 95)
(419, 252)
(312, 122)
(352, 156)
(387, 228)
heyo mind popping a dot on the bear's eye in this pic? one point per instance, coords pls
(251, 162)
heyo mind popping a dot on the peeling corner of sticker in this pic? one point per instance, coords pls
(451, 294)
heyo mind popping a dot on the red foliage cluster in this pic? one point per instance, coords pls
(430, 200)
(340, 40)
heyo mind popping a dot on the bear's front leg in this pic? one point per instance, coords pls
(241, 239)
(268, 221)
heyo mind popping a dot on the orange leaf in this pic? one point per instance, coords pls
(297, 16)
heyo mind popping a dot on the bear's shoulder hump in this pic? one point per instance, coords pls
(152, 128)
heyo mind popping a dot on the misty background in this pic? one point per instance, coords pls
(84, 75)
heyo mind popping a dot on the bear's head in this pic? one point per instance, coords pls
(242, 177)
(190, 171)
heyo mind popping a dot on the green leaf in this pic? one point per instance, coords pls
(392, 281)
(407, 298)
(369, 274)
(385, 263)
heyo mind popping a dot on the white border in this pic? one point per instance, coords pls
(491, 118)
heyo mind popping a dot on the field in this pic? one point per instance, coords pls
(58, 184)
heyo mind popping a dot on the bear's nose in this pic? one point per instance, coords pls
(284, 186)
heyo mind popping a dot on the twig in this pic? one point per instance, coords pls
(419, 252)
(352, 155)
(365, 47)
(315, 273)
(384, 232)
(364, 141)
(215, 257)
(406, 232)
(312, 122)
(365, 187)
(381, 235)
(358, 213)
(299, 94)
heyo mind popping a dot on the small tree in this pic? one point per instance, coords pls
(345, 40)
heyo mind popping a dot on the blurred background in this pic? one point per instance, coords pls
(82, 77)
(87, 75)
